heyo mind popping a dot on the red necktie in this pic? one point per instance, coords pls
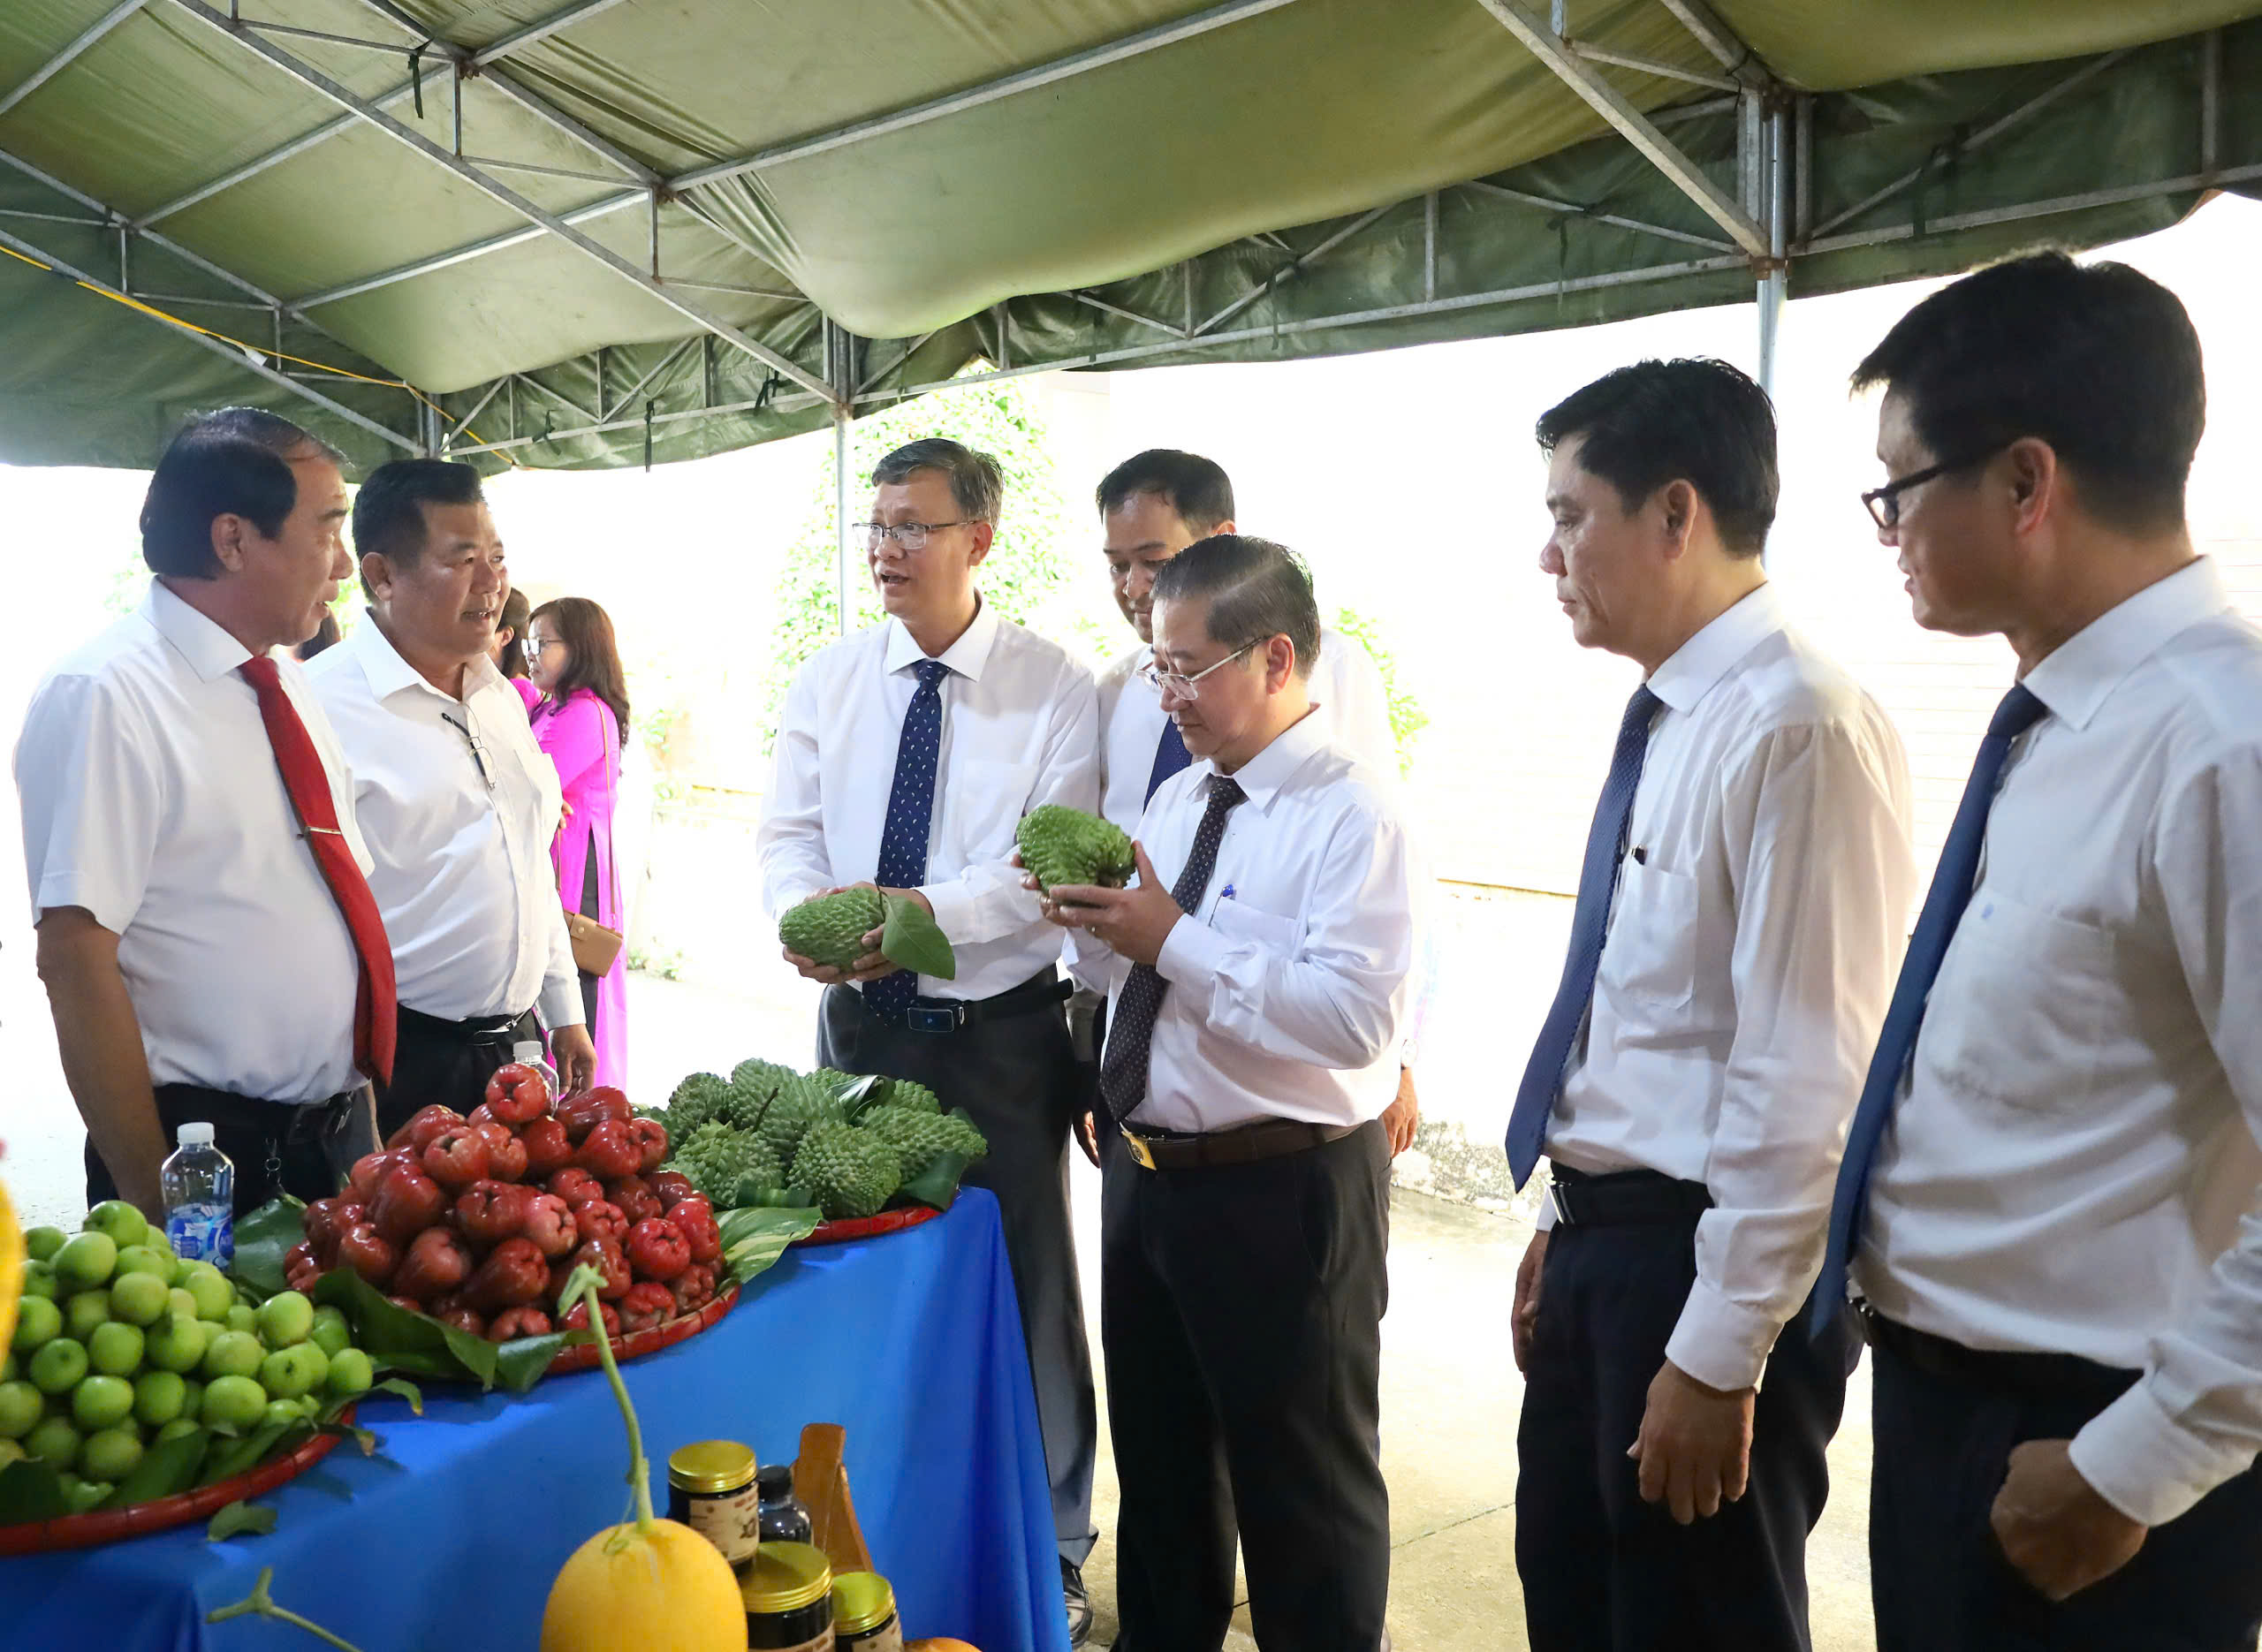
(377, 1013)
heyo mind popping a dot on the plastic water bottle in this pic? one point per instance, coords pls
(527, 1053)
(199, 1188)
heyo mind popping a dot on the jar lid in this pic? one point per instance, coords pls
(710, 1466)
(785, 1576)
(861, 1601)
(777, 1481)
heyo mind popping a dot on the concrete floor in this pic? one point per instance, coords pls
(1450, 1388)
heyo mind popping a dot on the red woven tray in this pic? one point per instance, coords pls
(583, 1356)
(109, 1526)
(870, 1227)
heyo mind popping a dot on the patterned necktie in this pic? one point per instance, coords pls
(910, 815)
(1543, 1075)
(1131, 1028)
(1944, 904)
(1171, 755)
(376, 1011)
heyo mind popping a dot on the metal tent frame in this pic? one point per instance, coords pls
(1758, 224)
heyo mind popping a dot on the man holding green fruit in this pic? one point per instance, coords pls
(907, 756)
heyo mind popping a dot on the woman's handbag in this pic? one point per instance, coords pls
(594, 946)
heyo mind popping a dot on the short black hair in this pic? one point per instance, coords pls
(1196, 488)
(389, 510)
(976, 487)
(235, 462)
(1692, 420)
(1256, 590)
(2099, 360)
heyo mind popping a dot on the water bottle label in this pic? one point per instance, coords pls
(202, 1233)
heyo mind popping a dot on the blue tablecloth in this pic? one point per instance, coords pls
(450, 1536)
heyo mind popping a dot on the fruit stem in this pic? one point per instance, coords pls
(261, 1603)
(583, 1286)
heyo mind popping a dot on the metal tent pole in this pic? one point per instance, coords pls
(841, 365)
(1774, 284)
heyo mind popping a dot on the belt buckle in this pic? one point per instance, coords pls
(1142, 1154)
(1555, 1192)
(935, 1018)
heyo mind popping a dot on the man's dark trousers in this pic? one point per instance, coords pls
(1602, 1570)
(276, 1148)
(1018, 1079)
(1938, 1575)
(1240, 1309)
(448, 1063)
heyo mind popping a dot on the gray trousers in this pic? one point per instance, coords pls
(1019, 1080)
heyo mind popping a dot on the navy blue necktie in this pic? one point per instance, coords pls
(1944, 905)
(910, 815)
(1171, 755)
(1542, 1076)
(1131, 1028)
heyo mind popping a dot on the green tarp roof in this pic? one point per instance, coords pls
(845, 200)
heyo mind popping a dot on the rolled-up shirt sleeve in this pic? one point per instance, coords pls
(985, 901)
(2195, 1419)
(1338, 999)
(1821, 859)
(560, 1001)
(790, 842)
(93, 804)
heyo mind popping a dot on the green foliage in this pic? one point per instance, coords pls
(1030, 573)
(1406, 718)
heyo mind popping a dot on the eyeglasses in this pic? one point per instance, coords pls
(532, 647)
(1884, 503)
(478, 747)
(910, 536)
(1187, 687)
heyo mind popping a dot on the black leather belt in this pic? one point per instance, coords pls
(481, 1029)
(2001, 1369)
(1623, 1197)
(950, 1015)
(1274, 1138)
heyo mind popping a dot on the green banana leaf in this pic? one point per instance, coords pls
(30, 1490)
(238, 1519)
(938, 1184)
(754, 1239)
(911, 938)
(263, 1240)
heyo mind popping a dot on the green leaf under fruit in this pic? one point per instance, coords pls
(237, 1520)
(911, 939)
(229, 1458)
(31, 1490)
(938, 1184)
(399, 1340)
(165, 1470)
(263, 1240)
(520, 1365)
(755, 1238)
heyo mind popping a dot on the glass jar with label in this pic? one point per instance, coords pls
(863, 1614)
(788, 1594)
(711, 1489)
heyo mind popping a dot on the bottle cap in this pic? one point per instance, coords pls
(777, 1481)
(711, 1466)
(527, 1052)
(861, 1601)
(196, 1134)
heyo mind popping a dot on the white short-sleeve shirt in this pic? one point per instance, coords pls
(151, 798)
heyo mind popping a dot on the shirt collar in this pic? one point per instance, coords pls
(1700, 663)
(965, 657)
(2078, 676)
(389, 674)
(1263, 776)
(210, 651)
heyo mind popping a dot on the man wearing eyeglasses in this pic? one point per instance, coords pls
(1152, 506)
(458, 802)
(1740, 911)
(2048, 1199)
(907, 756)
(1259, 978)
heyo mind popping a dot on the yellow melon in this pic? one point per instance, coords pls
(11, 1268)
(630, 1588)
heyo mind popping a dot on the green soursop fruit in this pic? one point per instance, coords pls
(902, 1092)
(848, 1172)
(756, 1075)
(698, 1099)
(833, 1080)
(1065, 846)
(800, 1102)
(717, 1158)
(919, 1138)
(831, 929)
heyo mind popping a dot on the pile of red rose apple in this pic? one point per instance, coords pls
(478, 1221)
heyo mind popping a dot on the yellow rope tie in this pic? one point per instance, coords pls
(262, 351)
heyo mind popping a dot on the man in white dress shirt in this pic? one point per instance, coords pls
(907, 756)
(1152, 506)
(457, 803)
(1741, 910)
(200, 965)
(2049, 1196)
(1258, 985)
